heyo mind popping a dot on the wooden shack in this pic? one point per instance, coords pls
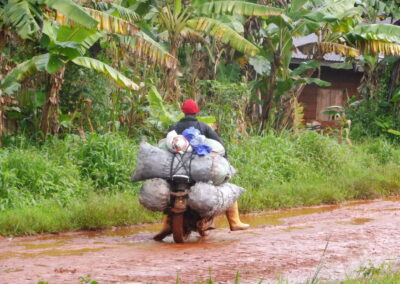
(315, 99)
(344, 84)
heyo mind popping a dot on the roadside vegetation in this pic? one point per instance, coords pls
(70, 184)
(81, 82)
(386, 277)
(386, 273)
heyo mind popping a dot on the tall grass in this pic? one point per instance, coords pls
(95, 211)
(29, 175)
(386, 273)
(312, 169)
(70, 184)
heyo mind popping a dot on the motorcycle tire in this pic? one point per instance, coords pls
(179, 232)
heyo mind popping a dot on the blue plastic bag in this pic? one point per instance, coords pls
(196, 140)
(190, 133)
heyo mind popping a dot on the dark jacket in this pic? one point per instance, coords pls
(191, 120)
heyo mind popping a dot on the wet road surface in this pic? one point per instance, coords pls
(288, 244)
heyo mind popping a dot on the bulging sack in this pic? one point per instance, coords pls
(154, 162)
(204, 198)
(210, 200)
(215, 146)
(155, 194)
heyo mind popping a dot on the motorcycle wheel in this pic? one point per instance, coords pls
(179, 232)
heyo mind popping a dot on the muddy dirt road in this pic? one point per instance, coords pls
(288, 244)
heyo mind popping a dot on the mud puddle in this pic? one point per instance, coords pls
(286, 244)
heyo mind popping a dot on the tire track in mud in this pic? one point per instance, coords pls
(287, 244)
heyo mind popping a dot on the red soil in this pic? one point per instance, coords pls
(290, 245)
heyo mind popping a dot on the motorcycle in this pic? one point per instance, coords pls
(183, 220)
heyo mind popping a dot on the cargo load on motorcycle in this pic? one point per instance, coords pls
(176, 156)
(193, 161)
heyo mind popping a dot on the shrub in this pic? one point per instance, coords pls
(107, 160)
(383, 151)
(28, 175)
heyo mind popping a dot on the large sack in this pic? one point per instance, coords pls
(154, 194)
(215, 146)
(162, 144)
(154, 162)
(210, 200)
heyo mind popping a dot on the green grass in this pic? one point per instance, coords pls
(70, 184)
(96, 211)
(311, 169)
(387, 278)
(386, 273)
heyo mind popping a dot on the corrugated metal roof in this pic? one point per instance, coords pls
(329, 57)
(312, 38)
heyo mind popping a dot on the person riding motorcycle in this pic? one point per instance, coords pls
(190, 109)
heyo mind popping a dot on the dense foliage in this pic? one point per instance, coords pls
(82, 81)
(377, 113)
(70, 183)
(52, 53)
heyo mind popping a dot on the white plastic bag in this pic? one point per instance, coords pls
(177, 143)
(215, 146)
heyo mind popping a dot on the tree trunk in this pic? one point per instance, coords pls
(290, 120)
(394, 79)
(1, 117)
(171, 83)
(267, 98)
(49, 122)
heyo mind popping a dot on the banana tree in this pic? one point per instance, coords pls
(64, 44)
(278, 86)
(357, 39)
(25, 17)
(183, 22)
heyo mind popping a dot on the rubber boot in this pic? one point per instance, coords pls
(232, 214)
(165, 230)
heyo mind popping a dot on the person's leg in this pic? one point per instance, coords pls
(165, 230)
(232, 214)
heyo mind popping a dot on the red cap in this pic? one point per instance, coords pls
(190, 107)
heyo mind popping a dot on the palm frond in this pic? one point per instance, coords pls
(22, 16)
(106, 69)
(328, 47)
(123, 12)
(223, 33)
(10, 83)
(173, 22)
(73, 11)
(192, 36)
(239, 7)
(379, 47)
(377, 39)
(377, 32)
(145, 47)
(333, 11)
(105, 22)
